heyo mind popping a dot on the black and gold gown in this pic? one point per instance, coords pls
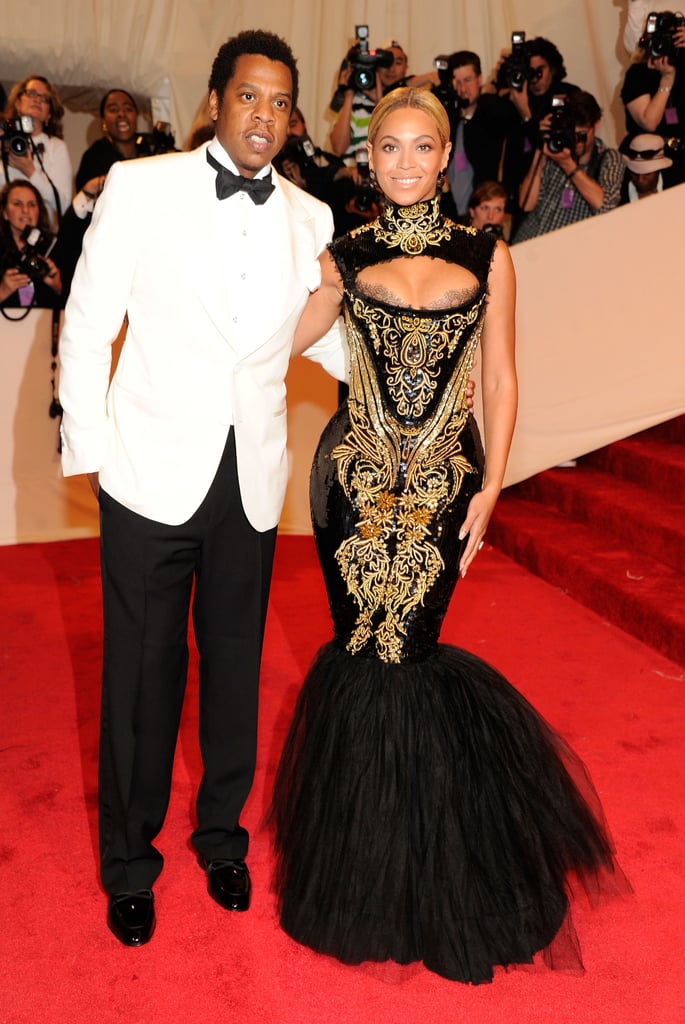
(423, 809)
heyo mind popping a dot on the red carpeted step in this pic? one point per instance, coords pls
(669, 430)
(653, 524)
(656, 464)
(625, 585)
(611, 532)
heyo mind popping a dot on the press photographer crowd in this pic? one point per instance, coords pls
(526, 155)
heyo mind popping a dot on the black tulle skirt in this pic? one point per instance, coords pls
(426, 812)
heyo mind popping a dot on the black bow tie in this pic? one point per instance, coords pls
(228, 183)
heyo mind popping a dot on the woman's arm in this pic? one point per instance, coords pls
(322, 309)
(648, 111)
(500, 396)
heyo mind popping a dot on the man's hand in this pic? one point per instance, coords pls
(470, 392)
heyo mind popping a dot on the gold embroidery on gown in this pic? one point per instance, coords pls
(401, 467)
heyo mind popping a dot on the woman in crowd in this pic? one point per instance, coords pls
(24, 282)
(119, 114)
(119, 141)
(423, 809)
(487, 207)
(42, 156)
(653, 94)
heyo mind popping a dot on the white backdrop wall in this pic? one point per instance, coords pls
(600, 341)
(164, 48)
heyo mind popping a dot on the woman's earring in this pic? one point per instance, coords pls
(441, 180)
(372, 177)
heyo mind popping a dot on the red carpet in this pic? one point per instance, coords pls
(611, 532)
(617, 701)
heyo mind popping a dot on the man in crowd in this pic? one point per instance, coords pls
(210, 258)
(573, 175)
(396, 75)
(478, 131)
(644, 159)
(530, 104)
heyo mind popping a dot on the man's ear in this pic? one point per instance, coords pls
(213, 104)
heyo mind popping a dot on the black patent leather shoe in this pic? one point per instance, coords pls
(131, 916)
(228, 882)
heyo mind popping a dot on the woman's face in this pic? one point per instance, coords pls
(35, 102)
(22, 209)
(120, 118)
(490, 211)
(407, 156)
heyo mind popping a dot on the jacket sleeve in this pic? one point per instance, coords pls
(93, 319)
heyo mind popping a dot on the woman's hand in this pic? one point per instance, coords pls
(12, 281)
(476, 523)
(23, 163)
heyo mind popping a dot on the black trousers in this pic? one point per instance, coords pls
(148, 573)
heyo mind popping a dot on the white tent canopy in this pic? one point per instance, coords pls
(164, 48)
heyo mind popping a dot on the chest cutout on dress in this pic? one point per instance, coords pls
(418, 282)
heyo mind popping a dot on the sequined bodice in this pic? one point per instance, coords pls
(414, 352)
(402, 453)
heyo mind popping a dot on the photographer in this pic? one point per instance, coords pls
(32, 145)
(479, 124)
(120, 141)
(322, 174)
(637, 13)
(395, 76)
(529, 92)
(645, 160)
(25, 282)
(653, 91)
(573, 174)
(359, 90)
(487, 208)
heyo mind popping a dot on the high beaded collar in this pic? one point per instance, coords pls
(412, 229)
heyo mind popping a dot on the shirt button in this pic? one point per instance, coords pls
(244, 231)
(243, 276)
(235, 319)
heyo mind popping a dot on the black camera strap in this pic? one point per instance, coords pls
(5, 164)
(38, 155)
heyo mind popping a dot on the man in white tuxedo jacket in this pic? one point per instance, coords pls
(187, 453)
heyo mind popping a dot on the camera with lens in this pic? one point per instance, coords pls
(561, 133)
(301, 151)
(17, 132)
(658, 38)
(443, 90)
(38, 245)
(159, 140)
(363, 64)
(513, 72)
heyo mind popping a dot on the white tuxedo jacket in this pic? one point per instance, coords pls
(155, 253)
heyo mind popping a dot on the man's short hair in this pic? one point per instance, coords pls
(540, 47)
(251, 41)
(583, 108)
(465, 58)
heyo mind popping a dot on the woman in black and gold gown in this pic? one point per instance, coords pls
(423, 809)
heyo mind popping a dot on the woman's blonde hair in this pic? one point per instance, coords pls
(420, 99)
(53, 122)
